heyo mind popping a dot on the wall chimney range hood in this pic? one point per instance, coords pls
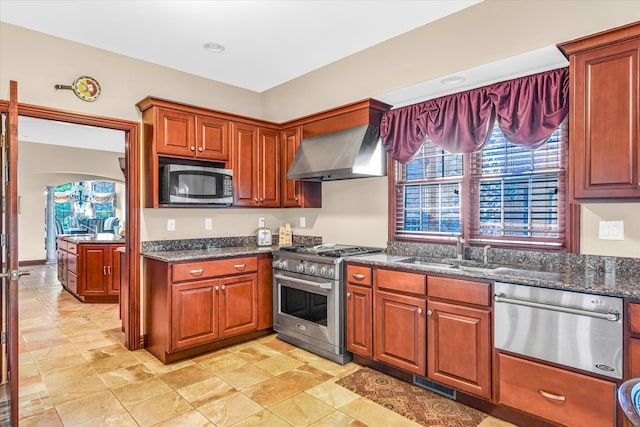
(356, 152)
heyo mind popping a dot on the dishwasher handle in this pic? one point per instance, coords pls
(612, 316)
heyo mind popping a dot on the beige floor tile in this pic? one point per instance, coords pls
(50, 364)
(332, 394)
(110, 419)
(245, 377)
(223, 362)
(117, 361)
(70, 375)
(48, 418)
(80, 388)
(303, 356)
(126, 375)
(183, 377)
(159, 408)
(131, 394)
(253, 352)
(494, 422)
(188, 419)
(279, 364)
(89, 408)
(372, 414)
(263, 419)
(206, 391)
(100, 353)
(159, 368)
(56, 351)
(230, 409)
(305, 377)
(271, 391)
(301, 410)
(338, 419)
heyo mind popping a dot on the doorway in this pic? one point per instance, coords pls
(131, 289)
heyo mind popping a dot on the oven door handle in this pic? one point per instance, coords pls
(612, 316)
(323, 285)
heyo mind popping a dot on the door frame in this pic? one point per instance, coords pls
(133, 337)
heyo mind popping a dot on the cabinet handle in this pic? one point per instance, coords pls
(419, 310)
(192, 148)
(217, 288)
(358, 276)
(348, 294)
(551, 395)
(223, 287)
(429, 312)
(239, 267)
(109, 269)
(197, 271)
(104, 270)
(200, 149)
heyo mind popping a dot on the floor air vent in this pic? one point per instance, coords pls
(434, 387)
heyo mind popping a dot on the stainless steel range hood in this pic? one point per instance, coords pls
(346, 154)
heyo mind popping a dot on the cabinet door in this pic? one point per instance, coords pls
(114, 272)
(295, 193)
(212, 138)
(176, 135)
(62, 266)
(604, 144)
(93, 270)
(400, 337)
(245, 161)
(238, 305)
(459, 347)
(359, 320)
(194, 313)
(269, 168)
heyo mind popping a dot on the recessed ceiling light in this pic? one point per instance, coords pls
(453, 80)
(214, 47)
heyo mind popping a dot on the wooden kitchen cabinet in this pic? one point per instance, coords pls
(296, 193)
(256, 166)
(459, 334)
(604, 139)
(359, 310)
(200, 306)
(399, 318)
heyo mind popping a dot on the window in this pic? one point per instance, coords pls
(503, 194)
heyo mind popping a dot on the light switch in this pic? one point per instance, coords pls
(171, 225)
(611, 230)
(303, 222)
(261, 222)
(208, 223)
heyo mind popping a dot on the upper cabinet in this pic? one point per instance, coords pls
(295, 193)
(604, 145)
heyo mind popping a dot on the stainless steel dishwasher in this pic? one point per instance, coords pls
(575, 329)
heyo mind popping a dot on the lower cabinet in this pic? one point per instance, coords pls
(459, 334)
(195, 306)
(359, 311)
(561, 396)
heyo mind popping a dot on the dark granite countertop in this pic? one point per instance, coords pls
(207, 253)
(612, 280)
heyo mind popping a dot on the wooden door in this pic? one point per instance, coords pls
(238, 305)
(400, 337)
(604, 136)
(269, 168)
(194, 313)
(212, 138)
(176, 133)
(10, 270)
(459, 347)
(245, 164)
(359, 320)
(94, 263)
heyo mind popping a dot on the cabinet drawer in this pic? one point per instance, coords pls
(72, 248)
(561, 396)
(465, 291)
(206, 269)
(72, 282)
(72, 263)
(634, 318)
(401, 281)
(62, 244)
(359, 274)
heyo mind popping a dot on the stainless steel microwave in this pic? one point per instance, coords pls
(196, 185)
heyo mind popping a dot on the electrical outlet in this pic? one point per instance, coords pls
(261, 222)
(611, 230)
(171, 225)
(208, 223)
(303, 222)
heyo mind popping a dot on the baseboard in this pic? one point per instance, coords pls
(32, 262)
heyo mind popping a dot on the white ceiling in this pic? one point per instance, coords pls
(267, 43)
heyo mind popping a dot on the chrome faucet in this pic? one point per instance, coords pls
(460, 247)
(485, 254)
(94, 231)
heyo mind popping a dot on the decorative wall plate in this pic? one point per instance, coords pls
(85, 87)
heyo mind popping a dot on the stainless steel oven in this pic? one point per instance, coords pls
(309, 298)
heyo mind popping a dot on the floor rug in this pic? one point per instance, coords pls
(417, 404)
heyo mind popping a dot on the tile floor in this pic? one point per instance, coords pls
(74, 371)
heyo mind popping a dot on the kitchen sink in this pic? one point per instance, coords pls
(458, 265)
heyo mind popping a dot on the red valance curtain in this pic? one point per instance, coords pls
(528, 110)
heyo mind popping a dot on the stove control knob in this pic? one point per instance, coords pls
(329, 272)
(300, 268)
(311, 269)
(276, 263)
(323, 271)
(282, 264)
